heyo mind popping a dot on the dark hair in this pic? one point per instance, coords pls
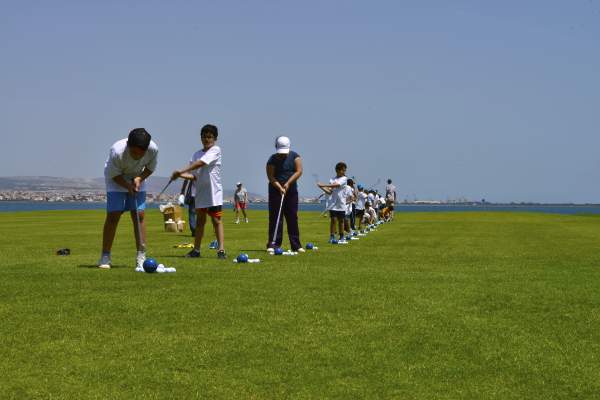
(209, 129)
(389, 181)
(350, 182)
(340, 165)
(139, 137)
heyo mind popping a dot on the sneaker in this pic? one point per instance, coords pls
(140, 258)
(237, 221)
(104, 261)
(300, 250)
(221, 255)
(270, 250)
(213, 245)
(246, 220)
(193, 254)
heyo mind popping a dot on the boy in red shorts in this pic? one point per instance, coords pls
(206, 164)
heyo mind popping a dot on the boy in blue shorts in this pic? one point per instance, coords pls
(129, 163)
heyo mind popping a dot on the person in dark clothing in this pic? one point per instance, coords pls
(283, 170)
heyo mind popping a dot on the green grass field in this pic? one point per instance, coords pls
(433, 305)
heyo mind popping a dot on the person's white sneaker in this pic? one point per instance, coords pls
(139, 259)
(246, 220)
(301, 250)
(237, 221)
(104, 262)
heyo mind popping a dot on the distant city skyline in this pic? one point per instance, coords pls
(449, 99)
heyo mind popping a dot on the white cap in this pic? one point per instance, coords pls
(282, 144)
(238, 184)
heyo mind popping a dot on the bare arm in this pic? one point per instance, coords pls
(330, 186)
(137, 181)
(119, 180)
(184, 171)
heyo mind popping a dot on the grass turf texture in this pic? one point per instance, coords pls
(433, 305)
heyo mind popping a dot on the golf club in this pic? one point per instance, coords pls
(278, 219)
(165, 188)
(138, 234)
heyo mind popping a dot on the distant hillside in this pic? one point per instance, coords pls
(49, 183)
(57, 184)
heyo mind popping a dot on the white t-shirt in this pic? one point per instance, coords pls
(361, 200)
(390, 192)
(240, 195)
(209, 191)
(348, 193)
(382, 201)
(338, 201)
(120, 162)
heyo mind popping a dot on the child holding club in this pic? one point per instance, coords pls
(206, 164)
(129, 163)
(338, 207)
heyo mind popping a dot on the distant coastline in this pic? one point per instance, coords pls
(565, 209)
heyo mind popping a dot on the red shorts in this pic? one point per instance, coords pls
(215, 211)
(240, 205)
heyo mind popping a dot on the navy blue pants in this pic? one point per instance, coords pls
(289, 212)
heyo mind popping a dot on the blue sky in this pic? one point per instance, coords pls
(481, 99)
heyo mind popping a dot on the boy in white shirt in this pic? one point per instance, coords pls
(361, 199)
(337, 207)
(348, 193)
(129, 163)
(206, 164)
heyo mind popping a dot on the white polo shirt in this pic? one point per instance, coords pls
(120, 162)
(209, 190)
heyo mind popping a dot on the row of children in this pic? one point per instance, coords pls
(352, 207)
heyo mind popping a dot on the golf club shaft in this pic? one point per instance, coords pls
(278, 219)
(165, 188)
(138, 232)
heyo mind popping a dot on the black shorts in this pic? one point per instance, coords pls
(359, 213)
(337, 214)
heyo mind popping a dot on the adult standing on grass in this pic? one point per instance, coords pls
(390, 197)
(206, 164)
(283, 170)
(129, 163)
(240, 199)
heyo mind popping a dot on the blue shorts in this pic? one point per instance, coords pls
(122, 201)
